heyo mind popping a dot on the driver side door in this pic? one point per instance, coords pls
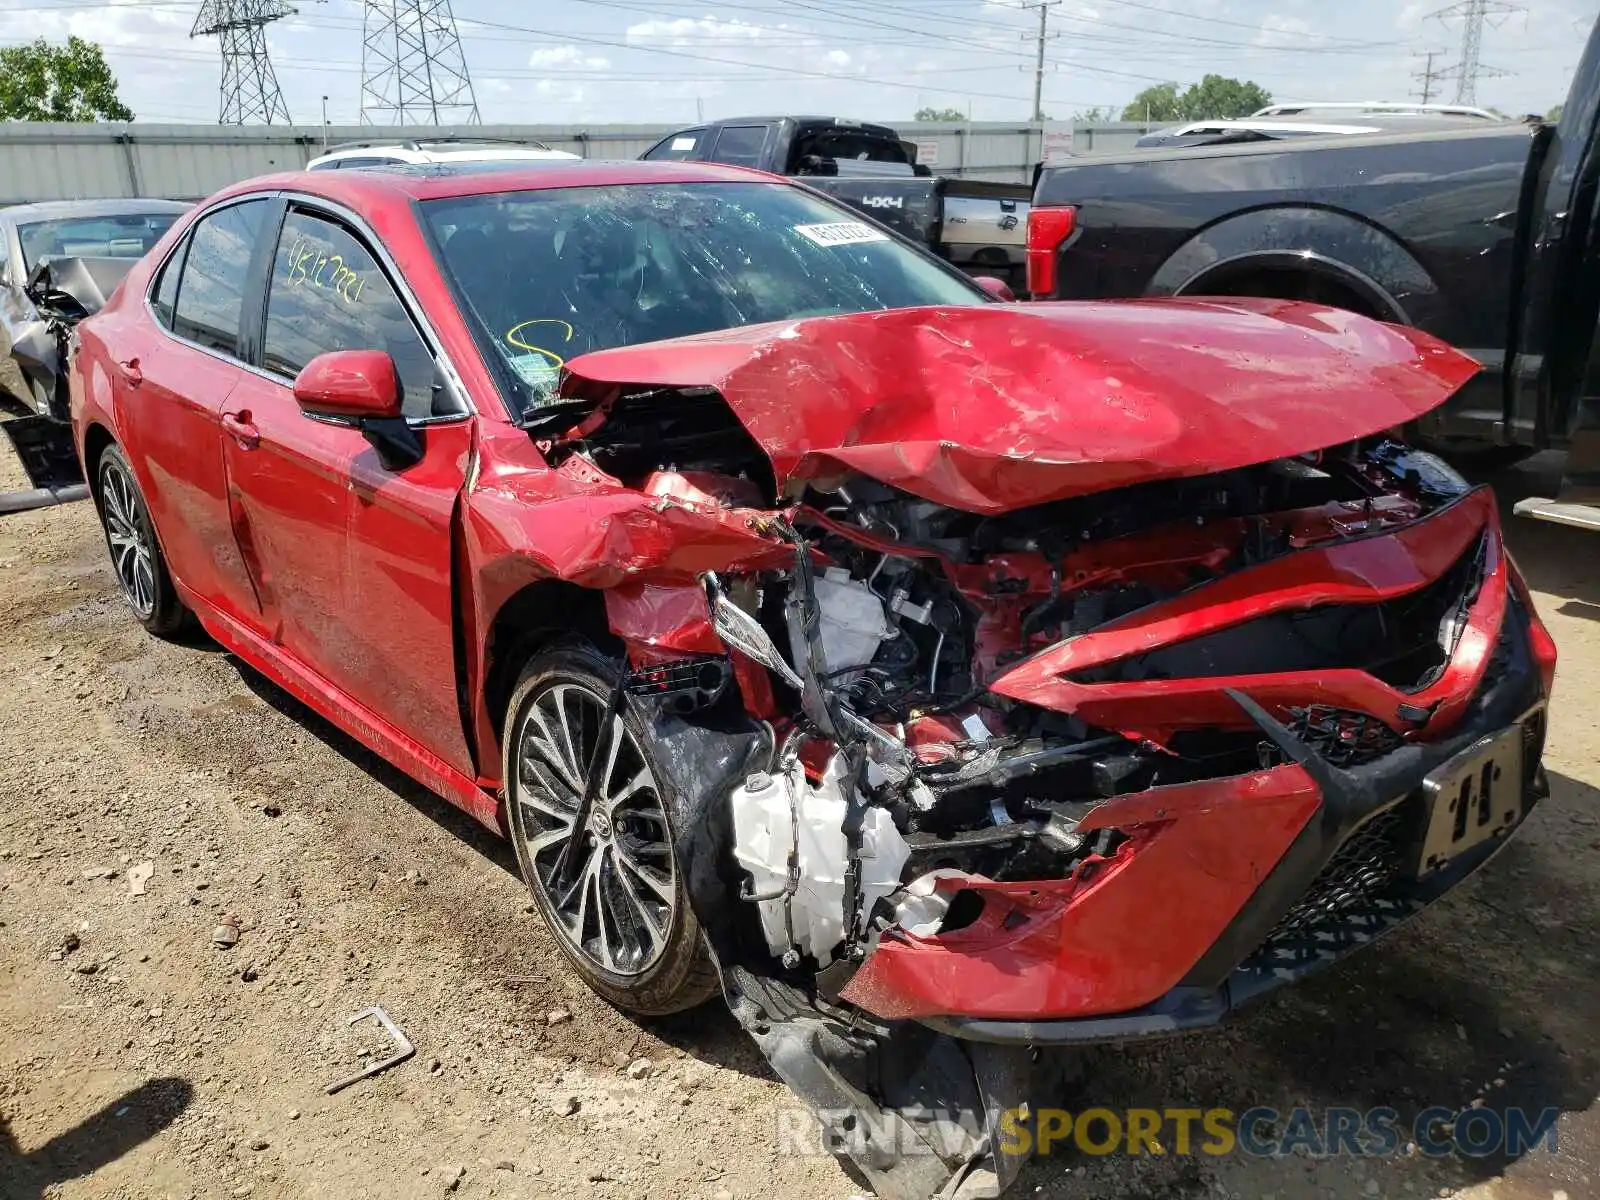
(352, 558)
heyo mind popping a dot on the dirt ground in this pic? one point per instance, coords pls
(138, 1058)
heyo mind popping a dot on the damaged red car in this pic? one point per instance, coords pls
(942, 679)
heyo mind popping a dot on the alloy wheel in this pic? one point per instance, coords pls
(131, 550)
(611, 883)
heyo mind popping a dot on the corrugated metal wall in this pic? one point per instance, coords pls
(185, 162)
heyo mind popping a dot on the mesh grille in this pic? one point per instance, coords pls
(1360, 870)
(1342, 737)
(1350, 903)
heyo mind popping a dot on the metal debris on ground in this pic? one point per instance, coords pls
(403, 1049)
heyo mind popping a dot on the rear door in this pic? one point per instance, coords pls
(741, 145)
(177, 363)
(352, 560)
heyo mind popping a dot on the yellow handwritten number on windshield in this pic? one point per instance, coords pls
(514, 337)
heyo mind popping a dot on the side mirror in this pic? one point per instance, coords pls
(358, 384)
(996, 287)
(38, 281)
(362, 387)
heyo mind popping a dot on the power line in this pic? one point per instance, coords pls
(249, 93)
(413, 71)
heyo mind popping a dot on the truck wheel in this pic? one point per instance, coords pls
(617, 904)
(135, 554)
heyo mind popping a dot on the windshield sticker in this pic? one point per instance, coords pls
(683, 143)
(841, 233)
(537, 366)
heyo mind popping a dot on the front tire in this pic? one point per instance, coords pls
(617, 907)
(136, 556)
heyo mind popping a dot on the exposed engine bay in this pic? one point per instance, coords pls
(990, 721)
(883, 640)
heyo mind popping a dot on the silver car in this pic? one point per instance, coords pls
(58, 262)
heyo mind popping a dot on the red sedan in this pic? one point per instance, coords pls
(816, 623)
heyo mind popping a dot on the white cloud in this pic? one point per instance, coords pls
(684, 30)
(567, 56)
(1277, 30)
(838, 58)
(1413, 14)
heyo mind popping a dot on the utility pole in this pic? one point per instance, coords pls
(1474, 14)
(1044, 7)
(1427, 77)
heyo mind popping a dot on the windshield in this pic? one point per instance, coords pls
(129, 236)
(549, 275)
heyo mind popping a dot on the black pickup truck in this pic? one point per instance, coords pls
(1488, 237)
(975, 225)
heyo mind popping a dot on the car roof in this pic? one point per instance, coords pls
(476, 151)
(435, 181)
(47, 210)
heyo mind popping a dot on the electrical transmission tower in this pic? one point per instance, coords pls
(250, 94)
(1474, 14)
(412, 69)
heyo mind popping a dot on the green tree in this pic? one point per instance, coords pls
(1554, 115)
(940, 114)
(1216, 97)
(1160, 104)
(41, 82)
(1096, 115)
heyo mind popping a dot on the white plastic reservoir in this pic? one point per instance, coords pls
(764, 832)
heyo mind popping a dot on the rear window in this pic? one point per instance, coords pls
(351, 164)
(683, 145)
(129, 236)
(549, 275)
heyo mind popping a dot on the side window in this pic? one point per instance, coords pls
(211, 293)
(165, 299)
(328, 293)
(683, 145)
(740, 145)
(351, 164)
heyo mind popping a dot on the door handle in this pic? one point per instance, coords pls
(241, 429)
(129, 370)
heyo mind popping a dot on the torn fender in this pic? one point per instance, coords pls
(996, 407)
(577, 524)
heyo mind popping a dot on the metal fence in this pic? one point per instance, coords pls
(187, 162)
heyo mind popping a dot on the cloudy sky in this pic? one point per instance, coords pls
(631, 61)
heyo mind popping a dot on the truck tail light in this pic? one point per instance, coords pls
(1047, 229)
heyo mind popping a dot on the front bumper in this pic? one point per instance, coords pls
(1229, 888)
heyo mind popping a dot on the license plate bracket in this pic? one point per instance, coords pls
(1473, 798)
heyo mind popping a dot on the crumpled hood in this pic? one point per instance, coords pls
(999, 407)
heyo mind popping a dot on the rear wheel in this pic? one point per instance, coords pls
(609, 886)
(135, 554)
